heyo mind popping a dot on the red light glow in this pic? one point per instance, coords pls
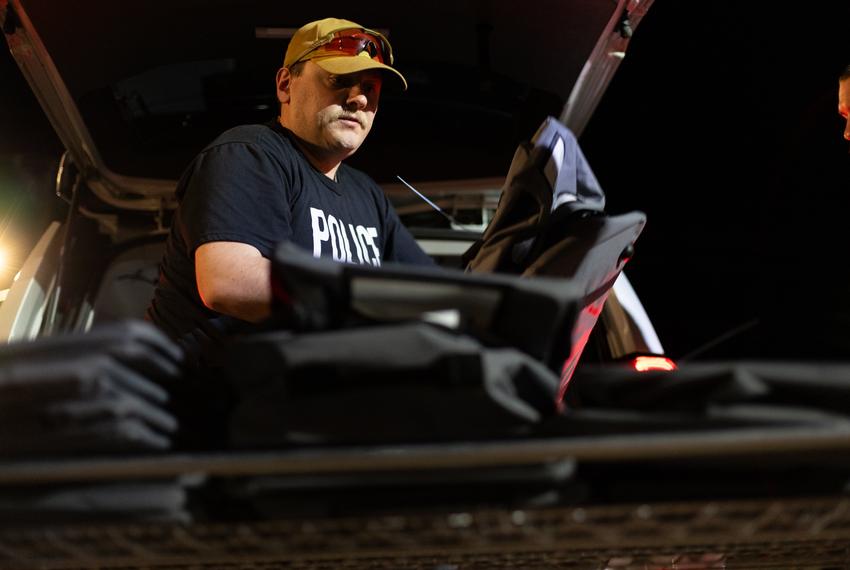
(652, 363)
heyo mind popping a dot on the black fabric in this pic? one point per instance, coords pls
(548, 174)
(551, 222)
(91, 375)
(532, 315)
(252, 185)
(591, 250)
(358, 364)
(134, 344)
(103, 391)
(408, 382)
(150, 501)
(32, 439)
(690, 389)
(697, 385)
(706, 396)
(573, 183)
(57, 414)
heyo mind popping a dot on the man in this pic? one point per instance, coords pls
(258, 185)
(844, 99)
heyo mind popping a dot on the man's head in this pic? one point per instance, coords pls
(330, 84)
(844, 99)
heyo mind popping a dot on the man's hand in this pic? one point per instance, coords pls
(234, 279)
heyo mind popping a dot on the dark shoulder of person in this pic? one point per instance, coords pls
(265, 135)
(365, 182)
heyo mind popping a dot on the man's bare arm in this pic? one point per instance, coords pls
(234, 279)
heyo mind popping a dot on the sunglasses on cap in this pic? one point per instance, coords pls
(351, 43)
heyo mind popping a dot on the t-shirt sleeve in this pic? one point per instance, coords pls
(236, 192)
(400, 245)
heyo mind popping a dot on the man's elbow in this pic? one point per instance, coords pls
(213, 296)
(228, 298)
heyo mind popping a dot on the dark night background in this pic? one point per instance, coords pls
(720, 124)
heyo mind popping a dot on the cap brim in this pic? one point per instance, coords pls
(349, 64)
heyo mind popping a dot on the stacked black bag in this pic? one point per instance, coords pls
(399, 354)
(100, 392)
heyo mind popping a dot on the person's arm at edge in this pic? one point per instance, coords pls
(234, 279)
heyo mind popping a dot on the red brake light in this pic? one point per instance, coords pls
(651, 363)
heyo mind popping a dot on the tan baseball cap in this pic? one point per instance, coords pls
(325, 43)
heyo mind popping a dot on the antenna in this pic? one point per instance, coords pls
(735, 331)
(432, 204)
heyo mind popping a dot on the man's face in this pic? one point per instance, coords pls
(333, 113)
(844, 105)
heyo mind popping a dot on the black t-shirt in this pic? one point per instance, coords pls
(253, 185)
